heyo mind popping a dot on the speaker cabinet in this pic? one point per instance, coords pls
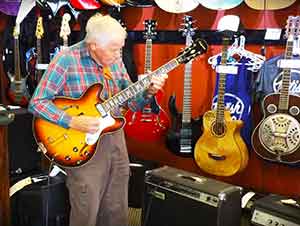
(272, 211)
(175, 197)
(22, 148)
(42, 203)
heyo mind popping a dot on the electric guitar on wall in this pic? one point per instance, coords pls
(72, 148)
(277, 136)
(184, 131)
(85, 4)
(65, 29)
(39, 34)
(152, 122)
(220, 150)
(18, 92)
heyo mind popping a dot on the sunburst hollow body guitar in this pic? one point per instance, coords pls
(72, 148)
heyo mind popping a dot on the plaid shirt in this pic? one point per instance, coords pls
(69, 74)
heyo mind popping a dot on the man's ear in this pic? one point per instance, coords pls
(93, 46)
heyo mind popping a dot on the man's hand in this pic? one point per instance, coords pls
(86, 124)
(157, 82)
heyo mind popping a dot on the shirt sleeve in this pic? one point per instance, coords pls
(140, 100)
(51, 85)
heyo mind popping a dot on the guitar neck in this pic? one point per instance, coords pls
(187, 91)
(65, 42)
(221, 87)
(39, 50)
(135, 88)
(286, 77)
(17, 59)
(148, 56)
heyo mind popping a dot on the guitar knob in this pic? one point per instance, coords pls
(294, 110)
(271, 108)
(68, 158)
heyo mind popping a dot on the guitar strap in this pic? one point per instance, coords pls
(107, 76)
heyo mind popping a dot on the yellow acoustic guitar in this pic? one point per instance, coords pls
(72, 148)
(220, 150)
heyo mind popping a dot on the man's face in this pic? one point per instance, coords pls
(109, 54)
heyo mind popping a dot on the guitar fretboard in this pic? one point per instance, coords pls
(286, 77)
(17, 59)
(148, 56)
(135, 88)
(187, 91)
(221, 87)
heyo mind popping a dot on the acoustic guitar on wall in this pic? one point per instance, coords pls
(269, 4)
(152, 122)
(72, 148)
(277, 136)
(185, 131)
(220, 150)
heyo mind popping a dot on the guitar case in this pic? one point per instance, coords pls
(22, 148)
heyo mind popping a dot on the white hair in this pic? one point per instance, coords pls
(102, 29)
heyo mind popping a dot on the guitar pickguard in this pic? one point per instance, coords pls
(280, 134)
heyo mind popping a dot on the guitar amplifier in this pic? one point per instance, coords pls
(270, 211)
(175, 197)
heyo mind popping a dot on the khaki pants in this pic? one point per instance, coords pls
(99, 189)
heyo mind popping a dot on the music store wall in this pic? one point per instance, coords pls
(260, 175)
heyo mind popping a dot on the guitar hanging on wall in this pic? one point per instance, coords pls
(18, 92)
(65, 29)
(184, 131)
(220, 150)
(269, 4)
(72, 148)
(152, 122)
(277, 136)
(39, 34)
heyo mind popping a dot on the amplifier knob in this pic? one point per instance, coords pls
(276, 223)
(270, 221)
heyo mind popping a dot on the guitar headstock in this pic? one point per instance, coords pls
(292, 27)
(198, 47)
(65, 30)
(39, 28)
(187, 28)
(150, 27)
(16, 31)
